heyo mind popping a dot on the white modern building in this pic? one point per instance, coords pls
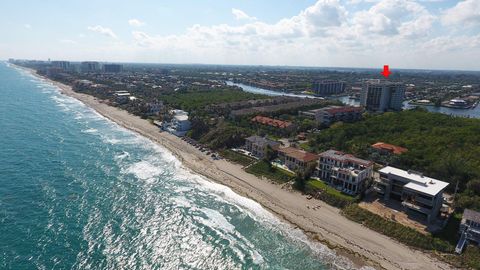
(122, 97)
(343, 171)
(179, 124)
(382, 96)
(418, 193)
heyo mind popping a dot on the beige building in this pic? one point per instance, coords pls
(296, 159)
(344, 171)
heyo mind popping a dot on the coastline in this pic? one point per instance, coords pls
(318, 220)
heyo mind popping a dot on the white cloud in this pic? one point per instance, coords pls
(465, 12)
(135, 22)
(241, 15)
(398, 32)
(394, 17)
(103, 30)
(67, 41)
(28, 26)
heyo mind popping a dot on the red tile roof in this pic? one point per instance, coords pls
(397, 150)
(298, 154)
(345, 109)
(271, 122)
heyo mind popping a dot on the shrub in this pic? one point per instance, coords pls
(331, 196)
(396, 230)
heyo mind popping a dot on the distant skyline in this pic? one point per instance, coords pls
(423, 34)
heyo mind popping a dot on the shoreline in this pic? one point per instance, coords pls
(315, 218)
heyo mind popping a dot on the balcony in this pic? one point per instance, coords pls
(382, 181)
(416, 207)
(424, 201)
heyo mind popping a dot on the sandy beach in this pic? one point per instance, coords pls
(318, 220)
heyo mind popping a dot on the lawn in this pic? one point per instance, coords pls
(237, 157)
(320, 185)
(262, 168)
(329, 194)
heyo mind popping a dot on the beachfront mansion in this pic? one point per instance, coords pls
(418, 193)
(344, 171)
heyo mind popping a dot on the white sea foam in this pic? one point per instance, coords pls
(217, 220)
(144, 170)
(122, 156)
(181, 201)
(90, 130)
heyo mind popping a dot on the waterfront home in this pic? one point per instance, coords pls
(344, 171)
(296, 159)
(179, 125)
(417, 193)
(469, 229)
(122, 97)
(154, 108)
(257, 145)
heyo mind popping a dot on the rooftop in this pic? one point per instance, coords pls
(298, 154)
(181, 117)
(471, 215)
(342, 157)
(342, 109)
(271, 122)
(418, 182)
(260, 140)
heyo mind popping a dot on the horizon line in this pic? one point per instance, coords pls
(254, 65)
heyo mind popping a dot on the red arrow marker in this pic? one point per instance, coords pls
(386, 72)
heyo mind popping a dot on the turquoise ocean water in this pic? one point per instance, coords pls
(79, 192)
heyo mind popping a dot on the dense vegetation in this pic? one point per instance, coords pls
(470, 258)
(237, 157)
(263, 168)
(195, 99)
(441, 146)
(396, 230)
(224, 135)
(328, 194)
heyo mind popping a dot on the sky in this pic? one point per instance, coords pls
(428, 34)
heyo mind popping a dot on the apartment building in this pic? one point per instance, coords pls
(258, 145)
(328, 115)
(112, 68)
(344, 171)
(418, 193)
(89, 66)
(382, 96)
(275, 125)
(296, 159)
(328, 87)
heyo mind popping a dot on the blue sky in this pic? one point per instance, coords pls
(440, 34)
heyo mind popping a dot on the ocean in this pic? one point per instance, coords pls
(77, 191)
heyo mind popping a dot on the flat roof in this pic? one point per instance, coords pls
(472, 215)
(181, 117)
(417, 182)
